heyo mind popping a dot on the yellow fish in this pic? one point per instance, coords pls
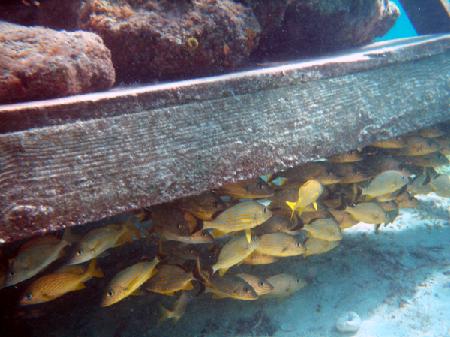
(419, 146)
(431, 160)
(310, 216)
(279, 244)
(34, 256)
(229, 286)
(357, 177)
(198, 237)
(275, 224)
(242, 216)
(384, 183)
(177, 250)
(368, 212)
(59, 283)
(441, 185)
(257, 259)
(431, 133)
(254, 189)
(315, 246)
(259, 284)
(349, 157)
(178, 310)
(385, 197)
(405, 200)
(203, 206)
(393, 143)
(170, 279)
(233, 252)
(344, 219)
(444, 144)
(308, 193)
(128, 281)
(419, 185)
(389, 206)
(99, 240)
(324, 229)
(284, 285)
(169, 218)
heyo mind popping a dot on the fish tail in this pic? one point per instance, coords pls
(200, 274)
(69, 237)
(207, 224)
(93, 270)
(165, 314)
(291, 205)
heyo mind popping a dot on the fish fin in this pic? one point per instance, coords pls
(72, 269)
(93, 270)
(138, 292)
(207, 224)
(248, 235)
(204, 278)
(217, 297)
(69, 237)
(291, 205)
(217, 233)
(79, 286)
(315, 205)
(299, 211)
(104, 254)
(165, 314)
(189, 286)
(222, 271)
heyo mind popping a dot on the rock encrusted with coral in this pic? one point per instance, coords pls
(317, 26)
(39, 63)
(152, 40)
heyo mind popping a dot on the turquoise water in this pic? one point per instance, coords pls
(402, 28)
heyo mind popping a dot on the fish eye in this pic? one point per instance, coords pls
(299, 244)
(11, 273)
(261, 283)
(297, 280)
(110, 292)
(78, 252)
(29, 296)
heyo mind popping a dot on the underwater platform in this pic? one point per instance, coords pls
(78, 159)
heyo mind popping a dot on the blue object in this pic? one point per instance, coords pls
(402, 28)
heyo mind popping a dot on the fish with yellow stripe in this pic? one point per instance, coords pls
(54, 285)
(308, 193)
(36, 255)
(128, 281)
(170, 279)
(240, 217)
(99, 240)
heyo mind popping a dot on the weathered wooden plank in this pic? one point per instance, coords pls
(77, 172)
(428, 17)
(22, 116)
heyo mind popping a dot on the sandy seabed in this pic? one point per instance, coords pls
(397, 280)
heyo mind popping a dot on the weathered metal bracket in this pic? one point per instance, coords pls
(78, 159)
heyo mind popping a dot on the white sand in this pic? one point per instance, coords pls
(398, 281)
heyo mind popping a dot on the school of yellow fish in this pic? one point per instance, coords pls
(203, 239)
